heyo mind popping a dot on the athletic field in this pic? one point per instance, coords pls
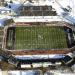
(38, 38)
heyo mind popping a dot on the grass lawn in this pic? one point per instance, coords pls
(40, 37)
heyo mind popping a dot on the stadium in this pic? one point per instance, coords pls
(38, 42)
(37, 37)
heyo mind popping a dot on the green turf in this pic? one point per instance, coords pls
(40, 37)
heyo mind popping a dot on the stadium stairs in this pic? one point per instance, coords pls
(1, 36)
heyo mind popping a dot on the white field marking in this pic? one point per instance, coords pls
(19, 45)
(27, 30)
(40, 36)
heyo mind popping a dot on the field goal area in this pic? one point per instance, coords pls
(36, 37)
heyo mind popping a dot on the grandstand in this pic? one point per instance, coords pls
(38, 11)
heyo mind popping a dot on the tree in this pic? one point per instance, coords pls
(9, 6)
(11, 1)
(5, 4)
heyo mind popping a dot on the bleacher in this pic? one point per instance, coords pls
(38, 11)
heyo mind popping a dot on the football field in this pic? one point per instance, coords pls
(40, 38)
